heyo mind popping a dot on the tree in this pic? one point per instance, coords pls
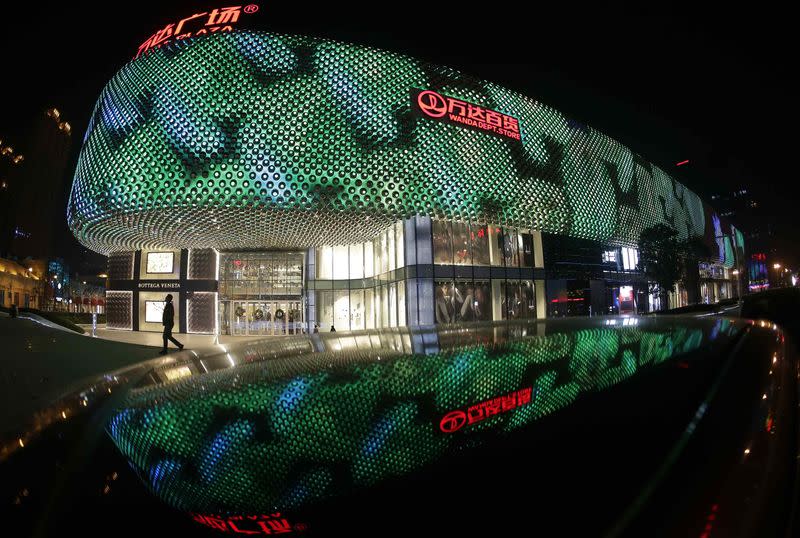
(661, 260)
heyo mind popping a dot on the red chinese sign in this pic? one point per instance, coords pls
(433, 105)
(207, 22)
(256, 524)
(455, 420)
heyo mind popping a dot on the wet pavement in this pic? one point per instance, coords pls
(39, 364)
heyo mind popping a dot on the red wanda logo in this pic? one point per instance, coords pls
(446, 109)
(456, 419)
(432, 104)
(453, 421)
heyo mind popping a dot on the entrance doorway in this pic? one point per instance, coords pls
(261, 293)
(263, 318)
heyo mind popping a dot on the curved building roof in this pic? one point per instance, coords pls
(251, 140)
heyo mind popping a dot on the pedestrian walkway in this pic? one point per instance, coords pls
(153, 339)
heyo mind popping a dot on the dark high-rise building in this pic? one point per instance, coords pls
(33, 176)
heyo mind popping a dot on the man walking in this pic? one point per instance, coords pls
(168, 320)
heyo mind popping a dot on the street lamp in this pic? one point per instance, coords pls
(776, 266)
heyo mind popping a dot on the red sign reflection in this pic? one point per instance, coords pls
(254, 524)
(455, 420)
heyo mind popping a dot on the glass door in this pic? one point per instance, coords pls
(239, 318)
(295, 317)
(259, 325)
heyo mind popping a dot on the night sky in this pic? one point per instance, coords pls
(671, 85)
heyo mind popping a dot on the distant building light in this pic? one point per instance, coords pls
(103, 275)
(682, 163)
(18, 159)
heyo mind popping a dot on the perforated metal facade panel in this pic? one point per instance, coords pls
(202, 264)
(253, 140)
(119, 310)
(200, 310)
(120, 265)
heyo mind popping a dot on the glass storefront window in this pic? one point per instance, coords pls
(529, 298)
(401, 303)
(340, 263)
(384, 306)
(381, 254)
(463, 297)
(479, 239)
(463, 301)
(357, 261)
(390, 248)
(519, 300)
(482, 301)
(498, 299)
(400, 242)
(369, 267)
(444, 302)
(511, 247)
(357, 310)
(324, 309)
(341, 309)
(369, 308)
(377, 307)
(393, 304)
(442, 242)
(496, 245)
(325, 263)
(462, 254)
(526, 250)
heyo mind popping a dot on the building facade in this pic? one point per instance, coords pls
(22, 284)
(282, 183)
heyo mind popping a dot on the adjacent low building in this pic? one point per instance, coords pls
(276, 184)
(22, 285)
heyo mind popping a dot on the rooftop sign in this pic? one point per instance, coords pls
(208, 22)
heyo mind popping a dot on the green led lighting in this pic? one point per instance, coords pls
(250, 140)
(274, 433)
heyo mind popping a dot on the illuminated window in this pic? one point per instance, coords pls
(357, 261)
(154, 311)
(442, 242)
(630, 258)
(160, 262)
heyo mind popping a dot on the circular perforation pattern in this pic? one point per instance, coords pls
(255, 140)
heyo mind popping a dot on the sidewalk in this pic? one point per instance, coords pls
(153, 339)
